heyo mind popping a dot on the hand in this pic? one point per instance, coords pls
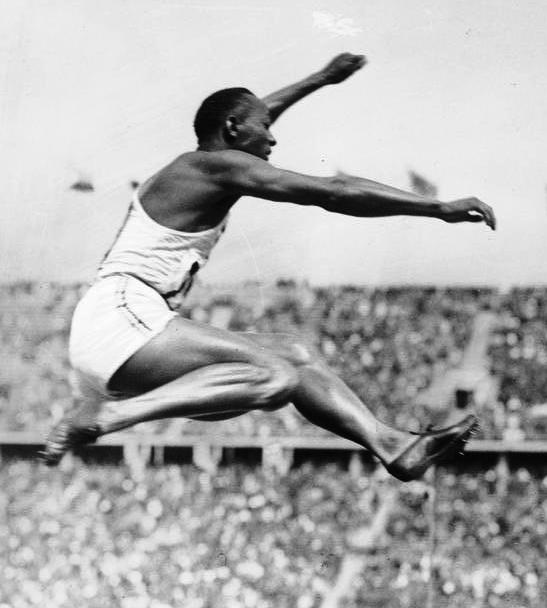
(468, 210)
(341, 67)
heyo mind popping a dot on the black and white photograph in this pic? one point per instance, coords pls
(273, 304)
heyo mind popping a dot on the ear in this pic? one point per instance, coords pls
(231, 127)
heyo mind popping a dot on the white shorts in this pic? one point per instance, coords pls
(115, 318)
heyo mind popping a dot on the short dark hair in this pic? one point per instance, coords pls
(216, 108)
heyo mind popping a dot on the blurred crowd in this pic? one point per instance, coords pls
(519, 361)
(34, 328)
(388, 344)
(93, 536)
(491, 534)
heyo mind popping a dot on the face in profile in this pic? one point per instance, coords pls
(253, 130)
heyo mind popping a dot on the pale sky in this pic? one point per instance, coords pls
(107, 90)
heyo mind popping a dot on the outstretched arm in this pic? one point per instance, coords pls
(385, 200)
(243, 174)
(337, 70)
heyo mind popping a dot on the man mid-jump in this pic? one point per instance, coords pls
(136, 359)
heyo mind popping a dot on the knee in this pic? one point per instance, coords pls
(278, 381)
(303, 352)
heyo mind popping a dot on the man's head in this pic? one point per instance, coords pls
(236, 119)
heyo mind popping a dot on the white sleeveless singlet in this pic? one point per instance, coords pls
(163, 258)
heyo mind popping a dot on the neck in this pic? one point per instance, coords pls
(213, 145)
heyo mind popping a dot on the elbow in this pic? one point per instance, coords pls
(342, 192)
(348, 196)
(338, 188)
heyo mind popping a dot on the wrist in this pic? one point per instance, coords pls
(441, 210)
(318, 80)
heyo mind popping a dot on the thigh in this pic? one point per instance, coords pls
(290, 347)
(184, 346)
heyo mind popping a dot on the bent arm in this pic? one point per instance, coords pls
(243, 174)
(337, 70)
(283, 99)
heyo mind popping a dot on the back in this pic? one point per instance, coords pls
(182, 196)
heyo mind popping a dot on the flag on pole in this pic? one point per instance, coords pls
(82, 185)
(420, 185)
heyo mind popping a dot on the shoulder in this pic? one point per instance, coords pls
(230, 170)
(217, 161)
(213, 167)
(238, 173)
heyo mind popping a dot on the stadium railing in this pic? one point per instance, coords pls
(22, 438)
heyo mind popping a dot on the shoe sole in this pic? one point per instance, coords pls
(441, 456)
(455, 446)
(51, 456)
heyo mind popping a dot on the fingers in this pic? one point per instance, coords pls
(361, 61)
(471, 210)
(356, 61)
(491, 221)
(342, 66)
(486, 213)
(348, 60)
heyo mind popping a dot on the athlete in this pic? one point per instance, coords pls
(136, 359)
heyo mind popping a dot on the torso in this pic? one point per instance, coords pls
(173, 223)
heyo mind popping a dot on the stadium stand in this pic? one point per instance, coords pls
(228, 534)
